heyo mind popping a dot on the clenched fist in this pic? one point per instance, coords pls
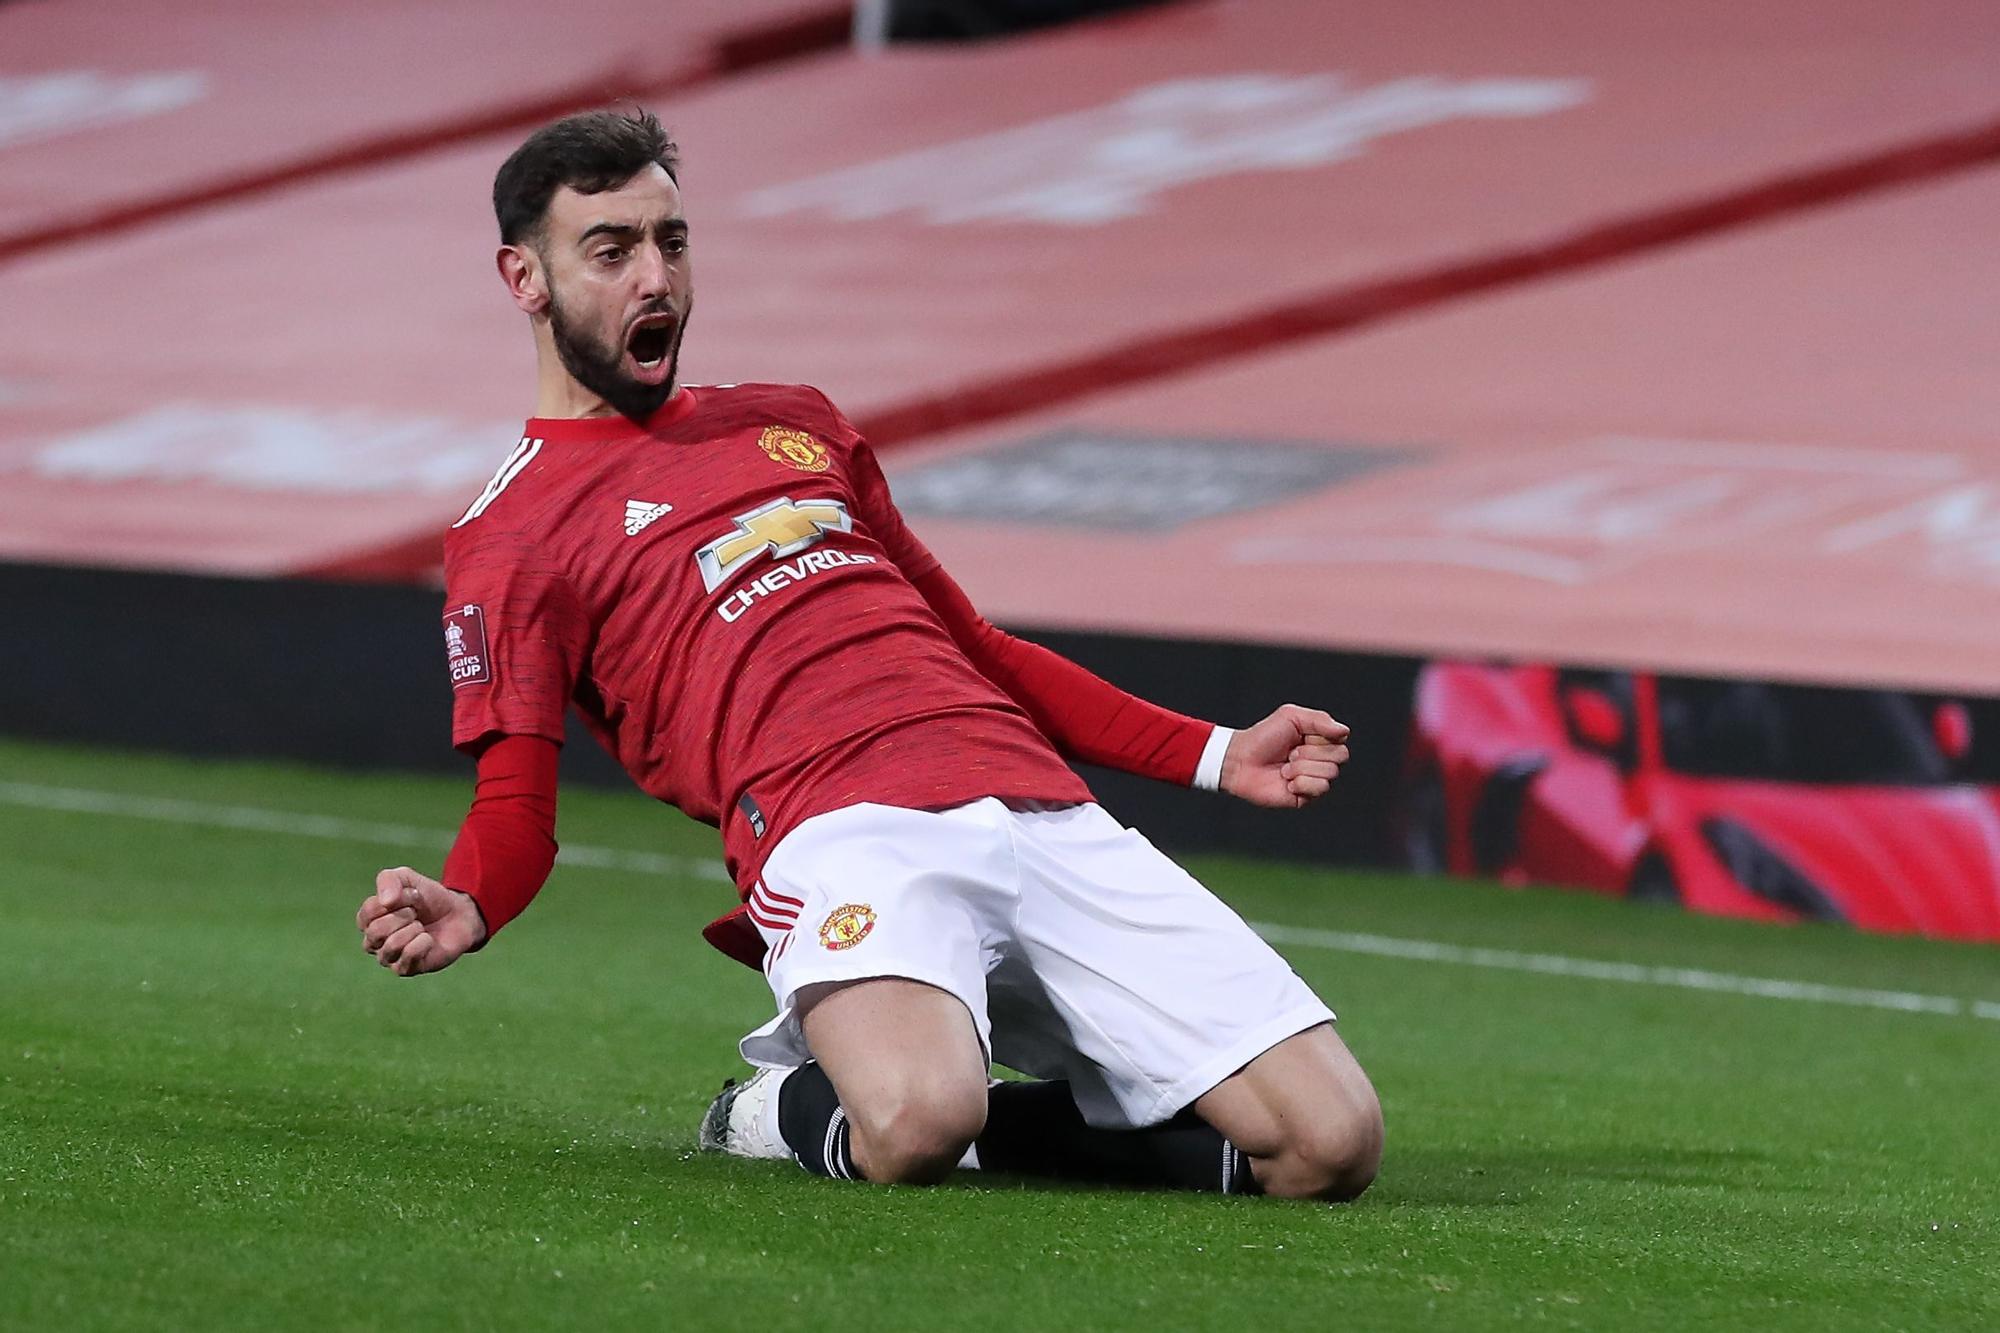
(414, 925)
(1289, 758)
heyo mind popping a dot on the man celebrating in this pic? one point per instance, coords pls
(718, 581)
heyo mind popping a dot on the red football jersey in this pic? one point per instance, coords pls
(724, 595)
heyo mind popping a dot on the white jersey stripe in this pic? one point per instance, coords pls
(524, 454)
(492, 486)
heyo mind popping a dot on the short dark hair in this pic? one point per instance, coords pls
(590, 152)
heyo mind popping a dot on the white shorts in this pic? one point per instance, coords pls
(1079, 949)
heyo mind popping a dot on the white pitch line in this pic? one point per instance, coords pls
(168, 810)
(1680, 978)
(257, 820)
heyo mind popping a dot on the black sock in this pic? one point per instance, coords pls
(1035, 1129)
(813, 1125)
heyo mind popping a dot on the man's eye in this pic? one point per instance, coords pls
(677, 245)
(610, 254)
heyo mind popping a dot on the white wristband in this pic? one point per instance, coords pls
(1208, 773)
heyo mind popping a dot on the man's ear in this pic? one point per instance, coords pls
(527, 282)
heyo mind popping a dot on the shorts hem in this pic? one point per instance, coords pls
(1210, 1074)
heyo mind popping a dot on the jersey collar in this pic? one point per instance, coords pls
(600, 430)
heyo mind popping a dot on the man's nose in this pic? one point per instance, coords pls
(654, 274)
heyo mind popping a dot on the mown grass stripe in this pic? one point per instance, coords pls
(76, 800)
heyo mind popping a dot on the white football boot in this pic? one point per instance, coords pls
(743, 1119)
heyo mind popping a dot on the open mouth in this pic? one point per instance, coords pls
(650, 340)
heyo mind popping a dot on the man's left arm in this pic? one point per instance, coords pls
(1284, 761)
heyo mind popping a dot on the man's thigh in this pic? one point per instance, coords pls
(879, 1036)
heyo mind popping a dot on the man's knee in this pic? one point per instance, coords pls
(1333, 1154)
(1307, 1116)
(916, 1135)
(911, 1074)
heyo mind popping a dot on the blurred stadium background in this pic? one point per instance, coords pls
(1622, 337)
(1594, 404)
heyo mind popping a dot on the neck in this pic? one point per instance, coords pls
(559, 397)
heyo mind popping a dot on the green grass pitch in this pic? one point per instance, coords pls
(216, 1112)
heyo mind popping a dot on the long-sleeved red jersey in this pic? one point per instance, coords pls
(731, 602)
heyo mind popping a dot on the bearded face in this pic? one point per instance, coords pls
(618, 285)
(633, 367)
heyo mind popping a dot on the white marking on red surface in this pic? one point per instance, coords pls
(272, 447)
(1096, 166)
(42, 106)
(1595, 510)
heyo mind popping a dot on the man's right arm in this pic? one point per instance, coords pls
(502, 857)
(515, 640)
(507, 844)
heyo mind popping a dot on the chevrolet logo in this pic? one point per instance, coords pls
(779, 528)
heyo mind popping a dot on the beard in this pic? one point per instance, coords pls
(600, 367)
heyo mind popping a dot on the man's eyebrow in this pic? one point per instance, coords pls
(627, 229)
(607, 229)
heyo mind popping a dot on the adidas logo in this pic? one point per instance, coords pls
(639, 515)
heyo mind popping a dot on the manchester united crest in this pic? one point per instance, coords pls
(846, 926)
(793, 448)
